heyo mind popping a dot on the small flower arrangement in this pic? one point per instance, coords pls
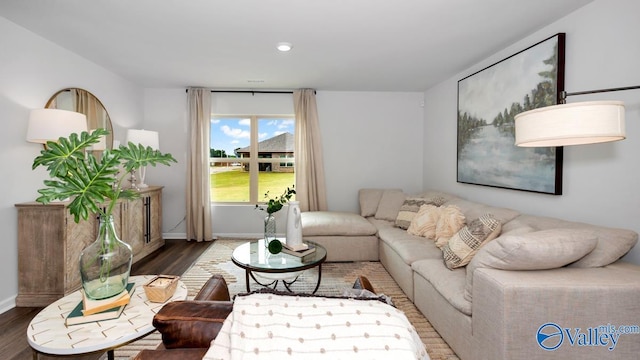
(276, 204)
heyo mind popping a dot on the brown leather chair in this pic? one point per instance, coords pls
(187, 327)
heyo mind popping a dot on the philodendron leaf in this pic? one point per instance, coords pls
(78, 175)
(59, 156)
(136, 156)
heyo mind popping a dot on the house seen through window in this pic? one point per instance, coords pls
(250, 156)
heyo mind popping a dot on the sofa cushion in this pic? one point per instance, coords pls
(466, 242)
(369, 200)
(451, 220)
(473, 210)
(410, 208)
(540, 250)
(449, 283)
(389, 205)
(613, 243)
(435, 193)
(409, 247)
(425, 221)
(318, 223)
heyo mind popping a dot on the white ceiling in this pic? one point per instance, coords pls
(354, 45)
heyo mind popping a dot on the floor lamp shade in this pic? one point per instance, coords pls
(571, 124)
(51, 124)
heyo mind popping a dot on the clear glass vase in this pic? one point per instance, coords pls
(106, 263)
(269, 229)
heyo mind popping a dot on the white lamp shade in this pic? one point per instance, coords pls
(571, 124)
(101, 144)
(144, 137)
(51, 124)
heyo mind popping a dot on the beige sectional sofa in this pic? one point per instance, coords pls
(545, 288)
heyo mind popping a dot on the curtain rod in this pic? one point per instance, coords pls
(253, 92)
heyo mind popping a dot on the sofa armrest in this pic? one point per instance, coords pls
(510, 306)
(191, 323)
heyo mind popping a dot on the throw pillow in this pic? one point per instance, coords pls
(411, 206)
(390, 203)
(369, 199)
(450, 222)
(425, 221)
(466, 242)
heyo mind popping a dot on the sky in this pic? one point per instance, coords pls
(229, 134)
(491, 90)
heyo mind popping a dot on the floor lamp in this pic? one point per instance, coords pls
(145, 138)
(578, 123)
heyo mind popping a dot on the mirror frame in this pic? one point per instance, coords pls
(91, 124)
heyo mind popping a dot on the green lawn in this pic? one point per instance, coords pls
(233, 185)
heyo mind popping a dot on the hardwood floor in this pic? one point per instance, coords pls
(173, 259)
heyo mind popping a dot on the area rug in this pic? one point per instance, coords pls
(335, 278)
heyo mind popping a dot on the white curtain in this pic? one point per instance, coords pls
(198, 189)
(309, 166)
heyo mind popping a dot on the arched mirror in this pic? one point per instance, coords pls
(82, 101)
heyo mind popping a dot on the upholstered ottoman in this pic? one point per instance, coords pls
(346, 236)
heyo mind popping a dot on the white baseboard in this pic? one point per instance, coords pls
(7, 304)
(244, 235)
(174, 235)
(219, 235)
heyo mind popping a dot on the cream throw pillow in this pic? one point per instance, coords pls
(425, 221)
(451, 220)
(465, 243)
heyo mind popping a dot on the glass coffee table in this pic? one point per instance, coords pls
(255, 258)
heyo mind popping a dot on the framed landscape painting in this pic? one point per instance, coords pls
(488, 102)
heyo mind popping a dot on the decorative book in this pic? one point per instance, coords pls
(303, 254)
(76, 317)
(90, 306)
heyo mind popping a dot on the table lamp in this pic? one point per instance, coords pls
(147, 139)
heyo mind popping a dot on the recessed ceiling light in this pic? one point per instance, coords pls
(284, 46)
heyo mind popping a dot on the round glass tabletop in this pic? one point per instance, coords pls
(255, 256)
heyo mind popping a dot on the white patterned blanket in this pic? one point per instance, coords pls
(269, 326)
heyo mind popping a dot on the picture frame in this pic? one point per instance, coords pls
(488, 101)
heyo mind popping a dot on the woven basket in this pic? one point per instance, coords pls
(161, 288)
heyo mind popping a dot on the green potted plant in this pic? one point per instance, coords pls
(274, 205)
(93, 186)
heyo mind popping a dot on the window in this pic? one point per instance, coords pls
(250, 156)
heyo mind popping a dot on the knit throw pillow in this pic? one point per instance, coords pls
(450, 222)
(425, 221)
(465, 243)
(410, 208)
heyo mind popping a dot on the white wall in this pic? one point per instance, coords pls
(31, 71)
(600, 181)
(368, 138)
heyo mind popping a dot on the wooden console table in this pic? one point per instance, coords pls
(50, 242)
